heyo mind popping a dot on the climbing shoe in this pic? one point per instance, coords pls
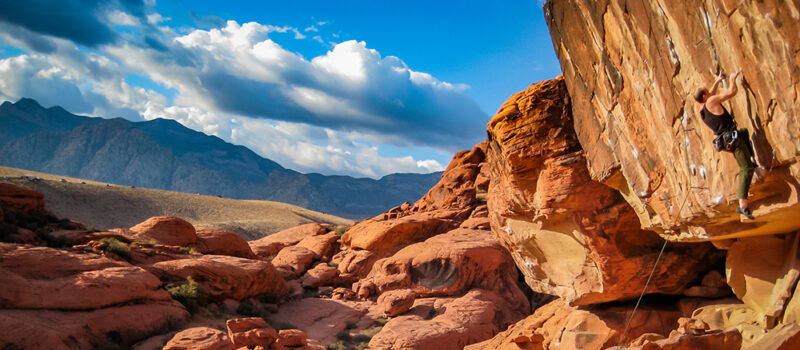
(746, 212)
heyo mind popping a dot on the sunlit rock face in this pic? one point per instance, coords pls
(571, 236)
(631, 68)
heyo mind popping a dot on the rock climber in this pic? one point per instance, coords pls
(721, 122)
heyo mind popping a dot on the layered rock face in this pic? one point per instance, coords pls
(632, 67)
(570, 236)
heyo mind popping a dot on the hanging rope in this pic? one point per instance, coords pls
(655, 264)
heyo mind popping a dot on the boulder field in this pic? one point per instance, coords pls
(591, 190)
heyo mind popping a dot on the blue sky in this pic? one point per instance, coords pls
(360, 88)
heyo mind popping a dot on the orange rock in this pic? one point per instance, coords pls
(396, 302)
(224, 277)
(292, 338)
(320, 275)
(448, 264)
(52, 329)
(222, 242)
(783, 337)
(374, 234)
(293, 261)
(270, 245)
(46, 278)
(250, 332)
(322, 319)
(636, 118)
(571, 236)
(21, 198)
(723, 340)
(357, 263)
(321, 245)
(450, 323)
(167, 230)
(200, 338)
(558, 325)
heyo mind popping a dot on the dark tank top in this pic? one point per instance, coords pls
(718, 123)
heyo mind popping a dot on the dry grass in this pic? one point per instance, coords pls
(105, 206)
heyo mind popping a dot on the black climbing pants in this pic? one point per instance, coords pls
(744, 158)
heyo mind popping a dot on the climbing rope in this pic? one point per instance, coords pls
(655, 264)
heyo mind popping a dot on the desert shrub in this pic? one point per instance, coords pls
(189, 294)
(344, 335)
(333, 264)
(370, 332)
(53, 241)
(381, 321)
(350, 325)
(362, 346)
(188, 250)
(339, 345)
(6, 230)
(278, 324)
(339, 229)
(115, 246)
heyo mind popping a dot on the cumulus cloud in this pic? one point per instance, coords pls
(238, 69)
(327, 114)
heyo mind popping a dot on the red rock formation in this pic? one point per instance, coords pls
(222, 242)
(634, 65)
(46, 278)
(293, 261)
(320, 275)
(250, 332)
(200, 338)
(167, 230)
(448, 323)
(570, 236)
(224, 277)
(443, 208)
(21, 198)
(269, 246)
(447, 264)
(396, 302)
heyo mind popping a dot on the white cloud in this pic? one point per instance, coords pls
(120, 18)
(311, 29)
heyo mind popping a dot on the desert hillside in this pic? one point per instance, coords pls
(105, 206)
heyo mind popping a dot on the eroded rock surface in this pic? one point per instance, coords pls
(634, 65)
(569, 235)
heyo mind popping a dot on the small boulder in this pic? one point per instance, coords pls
(168, 230)
(293, 261)
(396, 302)
(222, 242)
(320, 275)
(200, 338)
(292, 338)
(272, 244)
(250, 332)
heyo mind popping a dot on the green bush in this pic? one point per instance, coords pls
(189, 294)
(339, 229)
(117, 247)
(343, 335)
(362, 346)
(188, 250)
(339, 345)
(370, 332)
(350, 325)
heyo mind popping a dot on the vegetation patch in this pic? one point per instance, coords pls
(113, 245)
(188, 250)
(339, 229)
(360, 341)
(189, 294)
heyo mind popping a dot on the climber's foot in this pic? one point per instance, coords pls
(745, 212)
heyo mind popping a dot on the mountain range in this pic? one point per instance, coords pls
(163, 154)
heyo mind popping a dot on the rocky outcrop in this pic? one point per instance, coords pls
(569, 235)
(634, 65)
(200, 338)
(447, 264)
(166, 230)
(447, 323)
(269, 246)
(222, 242)
(225, 277)
(20, 198)
(55, 299)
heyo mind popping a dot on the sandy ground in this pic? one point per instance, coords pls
(104, 206)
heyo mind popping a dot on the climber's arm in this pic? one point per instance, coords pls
(732, 89)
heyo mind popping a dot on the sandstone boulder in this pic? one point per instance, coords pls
(222, 242)
(291, 338)
(20, 198)
(224, 277)
(448, 323)
(200, 338)
(631, 68)
(251, 332)
(447, 264)
(53, 329)
(269, 246)
(321, 245)
(396, 302)
(293, 261)
(323, 319)
(46, 278)
(569, 235)
(168, 230)
(320, 275)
